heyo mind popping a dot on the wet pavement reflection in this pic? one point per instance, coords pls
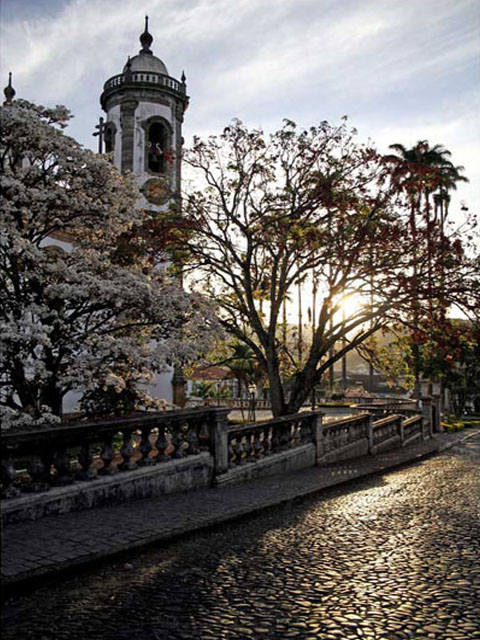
(391, 557)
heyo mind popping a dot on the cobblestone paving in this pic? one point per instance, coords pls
(392, 557)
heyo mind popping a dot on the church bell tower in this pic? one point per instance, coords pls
(143, 131)
(143, 128)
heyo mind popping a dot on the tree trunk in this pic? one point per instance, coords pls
(52, 397)
(277, 397)
(302, 387)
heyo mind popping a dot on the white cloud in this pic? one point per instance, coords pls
(403, 69)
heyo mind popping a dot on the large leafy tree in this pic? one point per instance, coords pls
(91, 312)
(453, 358)
(271, 213)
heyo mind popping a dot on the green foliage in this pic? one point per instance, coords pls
(392, 356)
(451, 354)
(204, 389)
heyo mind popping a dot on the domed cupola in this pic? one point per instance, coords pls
(145, 108)
(145, 60)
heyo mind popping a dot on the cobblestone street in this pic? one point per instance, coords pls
(394, 556)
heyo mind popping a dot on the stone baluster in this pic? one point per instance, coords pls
(257, 444)
(204, 437)
(127, 451)
(38, 467)
(427, 411)
(9, 474)
(295, 439)
(64, 470)
(287, 434)
(85, 459)
(275, 440)
(266, 441)
(248, 449)
(192, 439)
(238, 451)
(231, 454)
(370, 435)
(178, 441)
(107, 456)
(305, 429)
(317, 436)
(327, 441)
(145, 448)
(162, 444)
(221, 446)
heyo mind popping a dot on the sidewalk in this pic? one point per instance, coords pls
(52, 544)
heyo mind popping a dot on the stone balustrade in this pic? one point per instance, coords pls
(144, 77)
(274, 446)
(347, 438)
(238, 403)
(60, 455)
(387, 433)
(253, 442)
(414, 428)
(80, 465)
(382, 409)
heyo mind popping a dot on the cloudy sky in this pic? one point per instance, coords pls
(402, 70)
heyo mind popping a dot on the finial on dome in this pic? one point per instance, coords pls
(184, 77)
(146, 39)
(9, 91)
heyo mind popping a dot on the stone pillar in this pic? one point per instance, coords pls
(127, 119)
(178, 383)
(220, 439)
(426, 408)
(370, 433)
(317, 433)
(437, 414)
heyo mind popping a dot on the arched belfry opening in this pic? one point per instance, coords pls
(158, 147)
(145, 108)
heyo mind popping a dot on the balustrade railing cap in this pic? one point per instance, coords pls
(73, 428)
(144, 77)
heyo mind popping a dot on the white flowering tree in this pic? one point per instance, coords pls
(92, 313)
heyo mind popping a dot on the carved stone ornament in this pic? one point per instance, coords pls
(157, 190)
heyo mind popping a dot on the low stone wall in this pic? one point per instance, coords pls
(177, 475)
(301, 457)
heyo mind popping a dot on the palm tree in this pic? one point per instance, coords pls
(448, 177)
(424, 169)
(244, 365)
(421, 171)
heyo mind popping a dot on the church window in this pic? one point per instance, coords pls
(109, 137)
(157, 147)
